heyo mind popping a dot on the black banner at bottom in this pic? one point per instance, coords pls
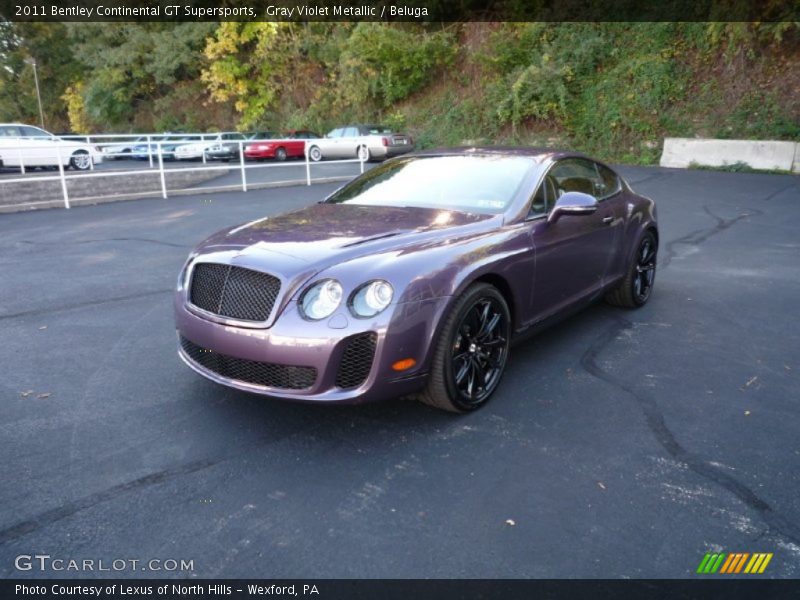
(400, 589)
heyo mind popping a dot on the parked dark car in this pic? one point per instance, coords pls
(168, 145)
(414, 278)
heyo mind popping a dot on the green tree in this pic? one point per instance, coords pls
(48, 45)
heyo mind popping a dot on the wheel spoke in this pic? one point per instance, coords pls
(498, 341)
(462, 371)
(489, 328)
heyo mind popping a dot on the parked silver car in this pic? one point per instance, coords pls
(367, 142)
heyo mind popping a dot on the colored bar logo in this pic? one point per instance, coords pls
(733, 563)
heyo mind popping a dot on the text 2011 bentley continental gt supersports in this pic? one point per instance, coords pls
(413, 279)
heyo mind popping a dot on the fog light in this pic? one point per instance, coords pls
(404, 365)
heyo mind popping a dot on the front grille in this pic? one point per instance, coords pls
(234, 292)
(251, 371)
(356, 360)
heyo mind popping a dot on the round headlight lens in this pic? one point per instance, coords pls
(321, 299)
(372, 298)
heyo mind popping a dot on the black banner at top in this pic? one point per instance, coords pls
(400, 10)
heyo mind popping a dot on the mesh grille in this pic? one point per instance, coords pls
(356, 360)
(251, 371)
(234, 292)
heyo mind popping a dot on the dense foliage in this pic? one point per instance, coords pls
(611, 88)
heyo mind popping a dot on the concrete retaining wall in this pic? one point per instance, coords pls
(766, 155)
(82, 190)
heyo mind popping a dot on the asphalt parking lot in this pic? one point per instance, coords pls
(620, 444)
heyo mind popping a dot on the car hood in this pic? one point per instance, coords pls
(313, 238)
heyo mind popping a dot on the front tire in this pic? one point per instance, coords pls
(635, 289)
(471, 352)
(315, 154)
(80, 160)
(280, 154)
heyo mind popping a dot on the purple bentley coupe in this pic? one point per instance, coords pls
(414, 278)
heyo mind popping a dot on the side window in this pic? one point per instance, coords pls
(336, 133)
(34, 132)
(12, 131)
(577, 175)
(611, 181)
(351, 132)
(543, 199)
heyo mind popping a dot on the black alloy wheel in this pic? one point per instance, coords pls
(636, 287)
(471, 352)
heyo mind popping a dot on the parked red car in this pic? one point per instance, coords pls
(291, 145)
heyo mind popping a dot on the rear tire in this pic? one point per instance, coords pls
(471, 351)
(636, 287)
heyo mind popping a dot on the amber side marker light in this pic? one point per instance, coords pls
(404, 365)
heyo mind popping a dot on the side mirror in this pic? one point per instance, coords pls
(573, 203)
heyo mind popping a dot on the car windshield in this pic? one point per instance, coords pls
(479, 184)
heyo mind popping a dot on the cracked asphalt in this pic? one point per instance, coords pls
(620, 443)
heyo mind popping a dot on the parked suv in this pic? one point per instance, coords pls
(30, 146)
(367, 142)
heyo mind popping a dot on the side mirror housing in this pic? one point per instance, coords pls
(573, 203)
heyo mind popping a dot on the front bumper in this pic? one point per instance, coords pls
(221, 154)
(402, 331)
(260, 153)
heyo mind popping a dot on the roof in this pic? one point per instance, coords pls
(534, 152)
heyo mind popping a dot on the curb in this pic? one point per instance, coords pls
(156, 194)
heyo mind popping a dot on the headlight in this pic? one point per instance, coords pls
(371, 298)
(321, 299)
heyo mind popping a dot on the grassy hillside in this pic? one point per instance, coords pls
(611, 89)
(614, 90)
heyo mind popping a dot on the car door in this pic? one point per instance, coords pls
(573, 253)
(349, 143)
(329, 145)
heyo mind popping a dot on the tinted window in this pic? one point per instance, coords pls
(377, 130)
(577, 175)
(480, 184)
(611, 183)
(34, 132)
(544, 198)
(12, 131)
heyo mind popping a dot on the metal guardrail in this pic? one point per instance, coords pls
(157, 162)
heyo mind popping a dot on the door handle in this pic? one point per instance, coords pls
(608, 219)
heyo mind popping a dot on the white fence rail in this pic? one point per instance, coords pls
(155, 155)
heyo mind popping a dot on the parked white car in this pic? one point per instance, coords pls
(30, 146)
(120, 150)
(216, 146)
(366, 142)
